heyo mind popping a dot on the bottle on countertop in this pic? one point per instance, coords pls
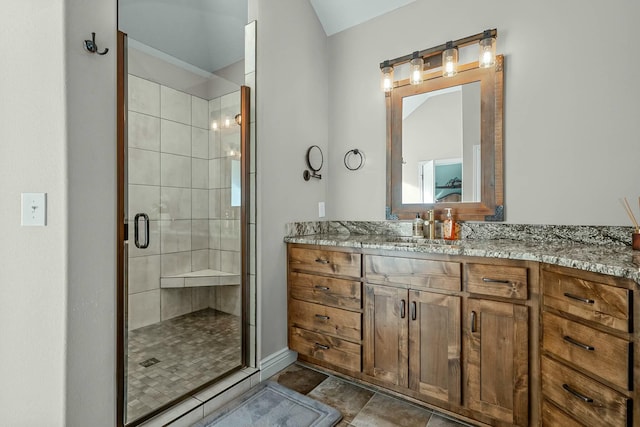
(429, 225)
(418, 225)
(449, 226)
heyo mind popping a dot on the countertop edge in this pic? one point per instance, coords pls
(610, 260)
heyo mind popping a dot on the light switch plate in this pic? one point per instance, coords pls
(34, 209)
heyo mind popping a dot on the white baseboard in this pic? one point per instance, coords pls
(276, 362)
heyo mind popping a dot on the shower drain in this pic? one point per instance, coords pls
(149, 362)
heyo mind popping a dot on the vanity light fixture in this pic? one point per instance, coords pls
(416, 67)
(487, 44)
(386, 84)
(450, 60)
(444, 56)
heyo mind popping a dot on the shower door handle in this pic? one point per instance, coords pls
(136, 232)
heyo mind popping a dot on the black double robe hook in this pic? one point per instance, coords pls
(92, 47)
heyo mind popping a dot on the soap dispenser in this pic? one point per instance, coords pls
(418, 225)
(449, 226)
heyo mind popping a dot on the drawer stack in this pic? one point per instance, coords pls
(325, 306)
(587, 360)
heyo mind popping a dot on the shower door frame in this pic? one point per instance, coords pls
(122, 242)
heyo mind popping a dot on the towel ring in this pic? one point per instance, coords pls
(359, 163)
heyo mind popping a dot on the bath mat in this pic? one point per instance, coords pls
(270, 404)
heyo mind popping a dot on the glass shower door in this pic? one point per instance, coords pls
(184, 298)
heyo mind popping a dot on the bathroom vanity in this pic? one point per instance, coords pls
(494, 332)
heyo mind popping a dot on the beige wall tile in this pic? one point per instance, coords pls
(175, 105)
(144, 96)
(175, 236)
(144, 309)
(175, 138)
(175, 171)
(174, 302)
(144, 273)
(143, 131)
(144, 167)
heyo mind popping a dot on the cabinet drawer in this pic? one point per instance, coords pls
(326, 290)
(496, 280)
(332, 350)
(554, 417)
(586, 400)
(417, 273)
(597, 302)
(596, 352)
(320, 318)
(323, 261)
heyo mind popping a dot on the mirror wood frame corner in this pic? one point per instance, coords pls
(491, 204)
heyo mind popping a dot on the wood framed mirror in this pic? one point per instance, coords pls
(444, 145)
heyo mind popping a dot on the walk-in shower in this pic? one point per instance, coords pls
(183, 191)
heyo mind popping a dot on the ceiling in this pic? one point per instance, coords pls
(338, 15)
(209, 34)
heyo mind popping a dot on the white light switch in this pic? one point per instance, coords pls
(34, 209)
(321, 209)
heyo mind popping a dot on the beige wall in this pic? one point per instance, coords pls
(292, 115)
(571, 125)
(58, 283)
(33, 157)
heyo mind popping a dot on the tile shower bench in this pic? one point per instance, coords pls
(200, 278)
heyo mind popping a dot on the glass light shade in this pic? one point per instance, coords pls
(487, 56)
(416, 67)
(450, 61)
(386, 83)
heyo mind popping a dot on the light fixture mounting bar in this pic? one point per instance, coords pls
(436, 50)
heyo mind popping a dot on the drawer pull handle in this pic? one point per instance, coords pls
(413, 310)
(580, 396)
(489, 280)
(322, 347)
(321, 288)
(322, 317)
(473, 321)
(577, 343)
(584, 300)
(403, 309)
(322, 261)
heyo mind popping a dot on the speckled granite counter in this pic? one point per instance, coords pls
(615, 260)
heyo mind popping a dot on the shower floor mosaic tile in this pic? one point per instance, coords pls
(171, 358)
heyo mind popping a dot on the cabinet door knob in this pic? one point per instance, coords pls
(403, 309)
(322, 347)
(322, 261)
(473, 321)
(413, 310)
(577, 298)
(322, 317)
(321, 288)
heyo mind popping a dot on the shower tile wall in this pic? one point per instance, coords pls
(224, 223)
(173, 174)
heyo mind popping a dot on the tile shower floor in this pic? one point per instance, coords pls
(360, 407)
(170, 358)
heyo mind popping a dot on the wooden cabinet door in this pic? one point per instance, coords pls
(385, 334)
(497, 369)
(435, 345)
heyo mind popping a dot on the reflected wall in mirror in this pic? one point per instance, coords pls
(444, 145)
(440, 133)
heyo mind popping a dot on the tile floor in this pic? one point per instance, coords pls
(189, 351)
(360, 407)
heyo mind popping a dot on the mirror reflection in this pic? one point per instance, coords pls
(441, 145)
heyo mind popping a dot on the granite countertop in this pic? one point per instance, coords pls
(614, 260)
